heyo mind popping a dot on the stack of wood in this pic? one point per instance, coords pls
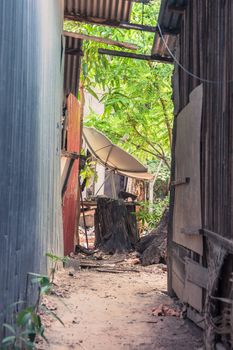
(153, 247)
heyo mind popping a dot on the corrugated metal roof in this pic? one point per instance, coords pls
(169, 21)
(98, 11)
(72, 65)
(106, 10)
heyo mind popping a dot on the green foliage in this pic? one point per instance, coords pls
(136, 94)
(88, 173)
(55, 260)
(28, 326)
(162, 182)
(150, 214)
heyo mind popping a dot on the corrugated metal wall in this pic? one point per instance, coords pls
(206, 49)
(30, 112)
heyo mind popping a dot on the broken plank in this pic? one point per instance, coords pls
(124, 45)
(196, 317)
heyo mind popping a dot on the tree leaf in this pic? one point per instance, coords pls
(9, 340)
(9, 327)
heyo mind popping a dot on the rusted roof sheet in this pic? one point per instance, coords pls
(73, 53)
(104, 10)
(100, 11)
(169, 21)
(160, 48)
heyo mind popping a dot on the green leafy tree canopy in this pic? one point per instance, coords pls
(136, 94)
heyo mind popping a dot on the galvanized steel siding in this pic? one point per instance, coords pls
(30, 110)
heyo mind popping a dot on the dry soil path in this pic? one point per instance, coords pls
(107, 311)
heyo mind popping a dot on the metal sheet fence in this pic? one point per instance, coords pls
(30, 100)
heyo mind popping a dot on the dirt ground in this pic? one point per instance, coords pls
(114, 311)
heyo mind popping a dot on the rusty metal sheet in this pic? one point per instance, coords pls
(70, 197)
(168, 20)
(111, 10)
(187, 219)
(72, 66)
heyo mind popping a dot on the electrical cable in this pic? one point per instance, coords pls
(185, 69)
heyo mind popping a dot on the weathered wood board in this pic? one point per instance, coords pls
(71, 194)
(196, 273)
(178, 277)
(186, 284)
(187, 208)
(193, 295)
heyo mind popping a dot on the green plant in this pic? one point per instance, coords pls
(28, 326)
(88, 172)
(150, 214)
(55, 260)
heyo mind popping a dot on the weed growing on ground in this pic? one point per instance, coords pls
(28, 326)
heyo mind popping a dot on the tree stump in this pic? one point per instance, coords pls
(115, 226)
(153, 247)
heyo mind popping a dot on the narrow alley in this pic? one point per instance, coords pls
(115, 311)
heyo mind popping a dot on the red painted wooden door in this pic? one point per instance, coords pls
(70, 198)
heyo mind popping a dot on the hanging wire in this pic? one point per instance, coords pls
(185, 69)
(142, 33)
(143, 12)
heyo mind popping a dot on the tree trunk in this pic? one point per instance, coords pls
(115, 226)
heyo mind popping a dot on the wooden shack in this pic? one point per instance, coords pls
(197, 35)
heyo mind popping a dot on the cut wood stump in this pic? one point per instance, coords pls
(115, 226)
(153, 247)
